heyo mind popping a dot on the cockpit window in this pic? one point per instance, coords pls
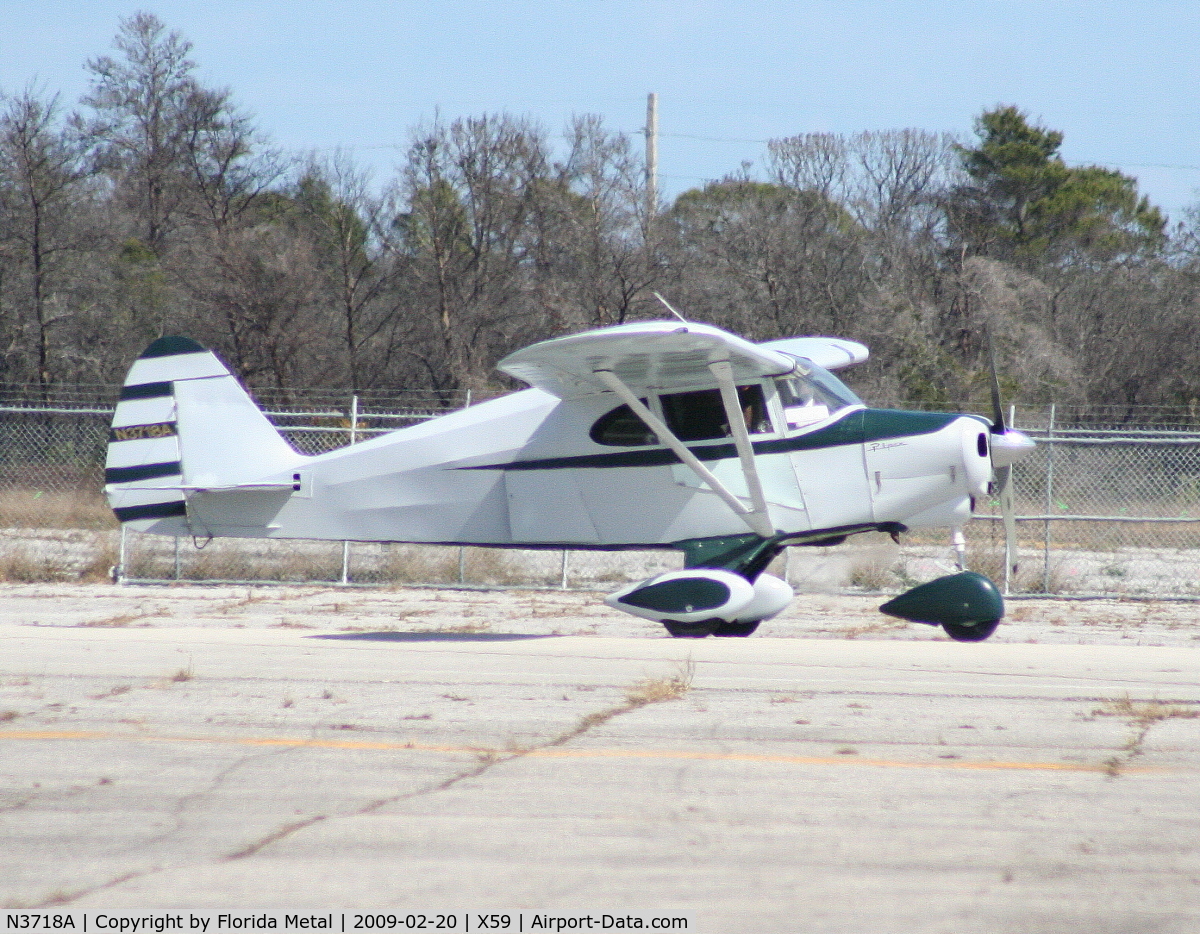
(700, 415)
(811, 394)
(622, 428)
(692, 416)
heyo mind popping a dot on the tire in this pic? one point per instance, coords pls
(975, 632)
(692, 630)
(735, 629)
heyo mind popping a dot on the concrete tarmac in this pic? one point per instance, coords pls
(245, 755)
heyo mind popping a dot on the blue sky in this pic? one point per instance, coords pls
(1119, 78)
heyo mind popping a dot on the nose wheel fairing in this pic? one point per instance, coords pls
(966, 605)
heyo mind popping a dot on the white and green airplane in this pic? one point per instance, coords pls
(657, 434)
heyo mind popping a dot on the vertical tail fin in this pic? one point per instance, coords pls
(183, 424)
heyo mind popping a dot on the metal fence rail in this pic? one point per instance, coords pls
(1108, 505)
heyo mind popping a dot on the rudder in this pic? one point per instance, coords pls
(184, 424)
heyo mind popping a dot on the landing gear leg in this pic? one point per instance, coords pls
(958, 541)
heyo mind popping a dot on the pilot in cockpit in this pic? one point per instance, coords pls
(754, 409)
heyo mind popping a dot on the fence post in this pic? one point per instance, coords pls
(353, 438)
(1009, 556)
(1049, 501)
(119, 572)
(563, 584)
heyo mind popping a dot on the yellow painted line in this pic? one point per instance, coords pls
(230, 740)
(562, 753)
(848, 759)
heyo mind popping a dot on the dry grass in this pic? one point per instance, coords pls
(877, 564)
(31, 563)
(1145, 713)
(866, 629)
(20, 566)
(152, 558)
(1142, 715)
(407, 565)
(493, 566)
(465, 628)
(116, 691)
(225, 562)
(35, 509)
(185, 674)
(113, 622)
(99, 567)
(987, 558)
(229, 565)
(657, 690)
(638, 695)
(871, 575)
(433, 564)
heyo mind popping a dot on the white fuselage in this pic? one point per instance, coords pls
(523, 470)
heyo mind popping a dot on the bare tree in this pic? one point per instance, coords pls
(41, 187)
(257, 290)
(230, 167)
(595, 265)
(767, 260)
(351, 224)
(146, 108)
(469, 189)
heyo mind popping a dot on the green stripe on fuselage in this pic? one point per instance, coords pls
(857, 427)
(881, 424)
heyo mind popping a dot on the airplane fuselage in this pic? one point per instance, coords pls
(524, 470)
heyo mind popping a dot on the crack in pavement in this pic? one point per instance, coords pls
(641, 694)
(214, 783)
(648, 691)
(49, 795)
(1142, 716)
(66, 898)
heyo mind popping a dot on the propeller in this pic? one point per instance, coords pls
(1007, 447)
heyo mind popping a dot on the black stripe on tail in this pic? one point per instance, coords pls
(150, 511)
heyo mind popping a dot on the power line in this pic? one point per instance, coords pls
(715, 139)
(1160, 165)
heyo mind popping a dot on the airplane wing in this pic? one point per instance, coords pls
(631, 358)
(831, 353)
(643, 355)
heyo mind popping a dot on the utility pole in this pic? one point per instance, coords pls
(651, 157)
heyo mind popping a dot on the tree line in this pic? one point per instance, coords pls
(158, 207)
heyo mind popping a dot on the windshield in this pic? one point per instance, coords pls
(811, 394)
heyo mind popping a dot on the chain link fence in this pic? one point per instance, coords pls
(1108, 505)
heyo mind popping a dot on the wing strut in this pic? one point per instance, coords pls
(755, 519)
(722, 370)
